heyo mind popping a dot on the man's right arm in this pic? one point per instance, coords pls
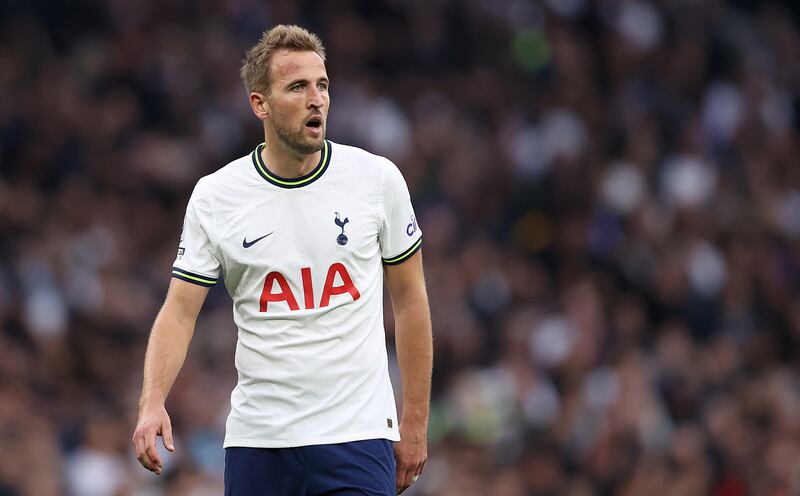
(166, 350)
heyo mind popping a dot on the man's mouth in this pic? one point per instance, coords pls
(314, 122)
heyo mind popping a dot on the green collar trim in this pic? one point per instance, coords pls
(263, 171)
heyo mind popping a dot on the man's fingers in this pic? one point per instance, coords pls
(149, 464)
(400, 476)
(139, 449)
(152, 453)
(141, 453)
(146, 463)
(136, 440)
(404, 477)
(408, 480)
(146, 452)
(166, 433)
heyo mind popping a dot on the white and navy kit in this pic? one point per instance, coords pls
(303, 261)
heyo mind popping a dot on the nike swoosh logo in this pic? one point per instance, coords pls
(248, 244)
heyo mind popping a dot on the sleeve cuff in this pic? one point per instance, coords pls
(200, 280)
(402, 257)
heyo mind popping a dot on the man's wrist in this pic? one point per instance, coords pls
(416, 420)
(148, 402)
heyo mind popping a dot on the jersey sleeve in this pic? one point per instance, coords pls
(400, 235)
(196, 261)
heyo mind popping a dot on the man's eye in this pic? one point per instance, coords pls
(297, 87)
(323, 86)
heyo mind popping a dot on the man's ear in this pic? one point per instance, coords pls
(258, 102)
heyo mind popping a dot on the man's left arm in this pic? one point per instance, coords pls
(414, 343)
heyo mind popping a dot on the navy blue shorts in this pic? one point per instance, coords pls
(359, 467)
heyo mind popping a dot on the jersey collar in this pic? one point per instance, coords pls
(263, 171)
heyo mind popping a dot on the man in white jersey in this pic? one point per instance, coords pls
(304, 232)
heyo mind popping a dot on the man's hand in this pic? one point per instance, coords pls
(166, 350)
(410, 453)
(153, 421)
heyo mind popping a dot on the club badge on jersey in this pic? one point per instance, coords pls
(342, 238)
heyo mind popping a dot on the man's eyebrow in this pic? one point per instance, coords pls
(323, 79)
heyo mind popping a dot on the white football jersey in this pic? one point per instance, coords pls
(303, 261)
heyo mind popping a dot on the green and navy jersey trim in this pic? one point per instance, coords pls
(201, 280)
(405, 255)
(319, 170)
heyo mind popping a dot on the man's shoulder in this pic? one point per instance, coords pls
(229, 175)
(360, 167)
(358, 157)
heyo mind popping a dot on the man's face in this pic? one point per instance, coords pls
(298, 100)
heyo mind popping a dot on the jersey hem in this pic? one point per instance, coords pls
(244, 442)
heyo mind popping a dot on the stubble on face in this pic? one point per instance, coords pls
(295, 139)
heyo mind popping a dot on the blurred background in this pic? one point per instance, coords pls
(610, 194)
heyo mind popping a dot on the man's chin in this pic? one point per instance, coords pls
(312, 145)
(302, 142)
(308, 148)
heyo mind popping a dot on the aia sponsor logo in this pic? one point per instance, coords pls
(337, 282)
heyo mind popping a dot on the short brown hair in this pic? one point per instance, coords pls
(256, 64)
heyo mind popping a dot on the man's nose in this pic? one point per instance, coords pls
(315, 99)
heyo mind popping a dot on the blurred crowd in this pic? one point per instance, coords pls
(610, 194)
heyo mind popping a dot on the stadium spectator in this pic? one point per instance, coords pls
(610, 196)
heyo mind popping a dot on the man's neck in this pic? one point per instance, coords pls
(285, 162)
